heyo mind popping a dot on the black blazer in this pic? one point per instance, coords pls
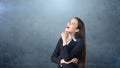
(72, 50)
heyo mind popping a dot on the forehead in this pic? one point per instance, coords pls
(74, 20)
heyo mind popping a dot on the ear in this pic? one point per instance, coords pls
(77, 30)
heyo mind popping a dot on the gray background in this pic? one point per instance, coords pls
(30, 29)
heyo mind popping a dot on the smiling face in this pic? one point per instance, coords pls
(72, 26)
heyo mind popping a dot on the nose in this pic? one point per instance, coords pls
(68, 24)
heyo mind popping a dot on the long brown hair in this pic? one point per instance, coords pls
(81, 34)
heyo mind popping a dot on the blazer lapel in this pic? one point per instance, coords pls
(72, 43)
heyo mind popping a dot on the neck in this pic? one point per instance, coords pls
(70, 35)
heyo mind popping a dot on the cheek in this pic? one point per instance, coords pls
(73, 29)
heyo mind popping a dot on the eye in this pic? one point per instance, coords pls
(72, 23)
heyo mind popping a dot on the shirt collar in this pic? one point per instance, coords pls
(74, 39)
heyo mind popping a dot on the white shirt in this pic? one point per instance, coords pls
(68, 41)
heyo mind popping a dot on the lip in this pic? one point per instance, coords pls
(68, 27)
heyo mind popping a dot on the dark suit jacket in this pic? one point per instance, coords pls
(72, 50)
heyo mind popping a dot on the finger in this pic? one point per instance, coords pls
(75, 60)
(66, 32)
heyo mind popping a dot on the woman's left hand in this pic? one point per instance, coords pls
(64, 36)
(74, 60)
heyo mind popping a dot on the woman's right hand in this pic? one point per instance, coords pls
(62, 61)
(74, 60)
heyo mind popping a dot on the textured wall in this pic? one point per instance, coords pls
(30, 29)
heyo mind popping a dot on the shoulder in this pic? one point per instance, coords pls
(80, 40)
(60, 39)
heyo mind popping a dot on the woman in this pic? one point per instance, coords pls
(70, 51)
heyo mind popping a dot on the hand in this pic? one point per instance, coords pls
(74, 60)
(64, 62)
(64, 36)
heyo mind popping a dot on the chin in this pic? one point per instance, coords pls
(67, 31)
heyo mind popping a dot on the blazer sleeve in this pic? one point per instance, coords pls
(76, 52)
(55, 56)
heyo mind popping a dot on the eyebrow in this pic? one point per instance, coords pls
(72, 22)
